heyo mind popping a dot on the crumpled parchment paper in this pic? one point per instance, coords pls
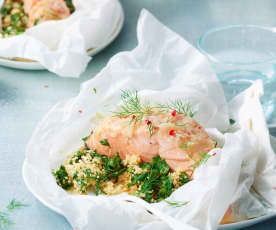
(61, 46)
(163, 66)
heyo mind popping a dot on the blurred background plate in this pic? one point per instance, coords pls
(25, 64)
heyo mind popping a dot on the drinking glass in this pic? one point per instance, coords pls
(241, 54)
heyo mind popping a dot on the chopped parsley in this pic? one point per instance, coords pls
(95, 90)
(112, 168)
(154, 183)
(62, 178)
(232, 122)
(184, 178)
(13, 17)
(70, 5)
(85, 138)
(104, 142)
(185, 145)
(36, 21)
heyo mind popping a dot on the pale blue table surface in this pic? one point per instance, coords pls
(24, 99)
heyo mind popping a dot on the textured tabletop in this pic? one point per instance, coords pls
(25, 96)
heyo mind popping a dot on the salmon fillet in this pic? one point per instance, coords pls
(178, 139)
(45, 10)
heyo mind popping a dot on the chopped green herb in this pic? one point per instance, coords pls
(151, 131)
(85, 138)
(176, 204)
(15, 17)
(185, 145)
(205, 158)
(180, 125)
(232, 122)
(36, 21)
(70, 5)
(13, 23)
(95, 90)
(184, 178)
(154, 183)
(62, 178)
(77, 157)
(104, 142)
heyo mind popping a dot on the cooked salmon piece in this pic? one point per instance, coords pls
(45, 10)
(178, 139)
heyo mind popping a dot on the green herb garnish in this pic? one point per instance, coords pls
(85, 138)
(184, 178)
(179, 106)
(154, 183)
(185, 145)
(205, 158)
(62, 178)
(5, 219)
(36, 21)
(14, 204)
(95, 90)
(151, 131)
(70, 5)
(176, 204)
(232, 122)
(104, 142)
(13, 23)
(180, 125)
(132, 106)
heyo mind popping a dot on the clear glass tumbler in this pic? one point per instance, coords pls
(241, 54)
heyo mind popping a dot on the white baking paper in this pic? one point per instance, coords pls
(61, 46)
(162, 67)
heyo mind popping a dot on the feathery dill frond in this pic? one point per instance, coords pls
(133, 106)
(179, 106)
(14, 204)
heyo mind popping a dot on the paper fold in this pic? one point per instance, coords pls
(163, 66)
(61, 46)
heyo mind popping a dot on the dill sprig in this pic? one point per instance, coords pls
(5, 219)
(133, 106)
(14, 204)
(179, 106)
(176, 203)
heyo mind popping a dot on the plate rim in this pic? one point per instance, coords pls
(35, 65)
(232, 226)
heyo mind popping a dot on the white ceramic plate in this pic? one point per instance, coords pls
(34, 65)
(27, 177)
